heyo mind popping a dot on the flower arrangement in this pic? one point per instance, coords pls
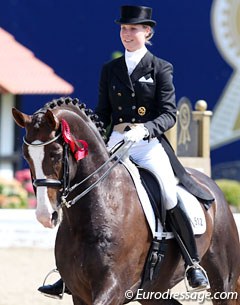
(17, 192)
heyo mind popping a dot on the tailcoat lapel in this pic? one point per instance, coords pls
(144, 67)
(120, 70)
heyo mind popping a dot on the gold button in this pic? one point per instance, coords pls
(119, 94)
(133, 120)
(120, 120)
(142, 110)
(119, 107)
(133, 94)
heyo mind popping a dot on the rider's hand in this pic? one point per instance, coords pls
(136, 134)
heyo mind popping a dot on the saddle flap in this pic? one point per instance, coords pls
(150, 199)
(194, 210)
(153, 190)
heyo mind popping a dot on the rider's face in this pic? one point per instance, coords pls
(133, 36)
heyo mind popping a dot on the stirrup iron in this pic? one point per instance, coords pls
(59, 297)
(197, 289)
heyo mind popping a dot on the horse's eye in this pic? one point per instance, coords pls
(56, 157)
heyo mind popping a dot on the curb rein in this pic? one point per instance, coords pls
(118, 151)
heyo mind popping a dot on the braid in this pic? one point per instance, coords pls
(68, 101)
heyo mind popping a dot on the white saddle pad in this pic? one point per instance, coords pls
(192, 206)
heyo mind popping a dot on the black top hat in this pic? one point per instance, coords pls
(136, 15)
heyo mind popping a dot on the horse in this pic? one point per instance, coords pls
(103, 239)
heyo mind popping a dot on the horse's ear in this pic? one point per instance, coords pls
(52, 120)
(21, 118)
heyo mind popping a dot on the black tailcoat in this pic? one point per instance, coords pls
(147, 96)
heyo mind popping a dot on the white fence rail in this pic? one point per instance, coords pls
(19, 228)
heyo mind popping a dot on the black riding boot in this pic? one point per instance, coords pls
(55, 289)
(182, 230)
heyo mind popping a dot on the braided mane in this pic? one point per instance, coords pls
(68, 101)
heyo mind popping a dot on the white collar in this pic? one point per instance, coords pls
(135, 55)
(133, 58)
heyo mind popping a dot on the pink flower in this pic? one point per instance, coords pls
(23, 175)
(32, 203)
(29, 187)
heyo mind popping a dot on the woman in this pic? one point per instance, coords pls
(137, 93)
(137, 101)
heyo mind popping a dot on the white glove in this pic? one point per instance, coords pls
(136, 134)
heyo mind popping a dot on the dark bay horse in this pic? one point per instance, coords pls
(103, 237)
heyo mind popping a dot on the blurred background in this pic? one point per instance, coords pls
(53, 48)
(75, 38)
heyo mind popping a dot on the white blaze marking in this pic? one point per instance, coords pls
(44, 208)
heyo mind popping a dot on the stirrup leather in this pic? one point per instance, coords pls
(60, 296)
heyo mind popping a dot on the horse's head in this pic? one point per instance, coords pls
(51, 151)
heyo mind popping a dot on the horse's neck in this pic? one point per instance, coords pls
(93, 203)
(88, 169)
(98, 155)
(98, 201)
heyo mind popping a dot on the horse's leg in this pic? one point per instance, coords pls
(237, 289)
(223, 279)
(109, 291)
(77, 301)
(222, 262)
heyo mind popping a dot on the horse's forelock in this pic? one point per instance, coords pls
(38, 120)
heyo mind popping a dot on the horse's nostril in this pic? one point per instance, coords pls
(54, 218)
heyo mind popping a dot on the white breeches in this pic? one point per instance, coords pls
(152, 156)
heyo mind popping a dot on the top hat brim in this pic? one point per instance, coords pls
(150, 22)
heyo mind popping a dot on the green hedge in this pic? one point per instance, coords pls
(231, 191)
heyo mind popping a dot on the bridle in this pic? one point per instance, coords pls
(53, 183)
(117, 153)
(45, 182)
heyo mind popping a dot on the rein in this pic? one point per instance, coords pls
(117, 155)
(119, 150)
